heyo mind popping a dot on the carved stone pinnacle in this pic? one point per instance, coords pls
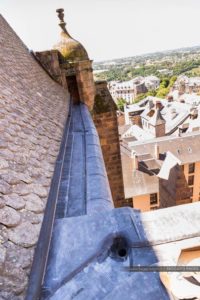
(61, 15)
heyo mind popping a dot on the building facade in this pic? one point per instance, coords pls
(162, 172)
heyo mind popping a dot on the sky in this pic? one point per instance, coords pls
(107, 28)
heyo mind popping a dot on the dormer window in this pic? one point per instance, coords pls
(151, 113)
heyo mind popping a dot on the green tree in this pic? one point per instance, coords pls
(164, 83)
(120, 104)
(162, 92)
(144, 95)
(172, 81)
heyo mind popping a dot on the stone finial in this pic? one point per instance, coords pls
(62, 23)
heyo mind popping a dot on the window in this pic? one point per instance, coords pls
(191, 168)
(153, 199)
(191, 180)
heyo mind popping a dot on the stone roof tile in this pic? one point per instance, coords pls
(33, 111)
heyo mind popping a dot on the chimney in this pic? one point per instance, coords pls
(159, 105)
(134, 161)
(194, 114)
(156, 151)
(170, 98)
(126, 114)
(181, 88)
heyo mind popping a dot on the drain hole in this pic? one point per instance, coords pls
(122, 252)
(119, 249)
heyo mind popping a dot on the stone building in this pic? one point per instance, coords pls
(153, 121)
(154, 117)
(187, 85)
(127, 90)
(152, 180)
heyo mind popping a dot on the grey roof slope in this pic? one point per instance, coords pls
(33, 111)
(185, 148)
(137, 182)
(172, 114)
(156, 118)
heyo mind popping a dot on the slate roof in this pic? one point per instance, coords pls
(155, 119)
(123, 128)
(137, 182)
(33, 111)
(173, 113)
(185, 148)
(136, 133)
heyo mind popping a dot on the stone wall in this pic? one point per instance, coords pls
(33, 110)
(50, 61)
(105, 119)
(85, 82)
(160, 130)
(64, 72)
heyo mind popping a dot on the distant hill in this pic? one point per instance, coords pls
(177, 61)
(193, 49)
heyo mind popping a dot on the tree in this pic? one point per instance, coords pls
(144, 95)
(162, 92)
(120, 104)
(172, 81)
(164, 83)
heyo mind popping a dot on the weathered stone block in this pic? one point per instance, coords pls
(14, 201)
(34, 203)
(25, 235)
(9, 216)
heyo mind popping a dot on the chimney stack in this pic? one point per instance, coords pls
(194, 114)
(134, 161)
(156, 151)
(126, 114)
(158, 105)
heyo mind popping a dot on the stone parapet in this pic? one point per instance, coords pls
(85, 82)
(105, 119)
